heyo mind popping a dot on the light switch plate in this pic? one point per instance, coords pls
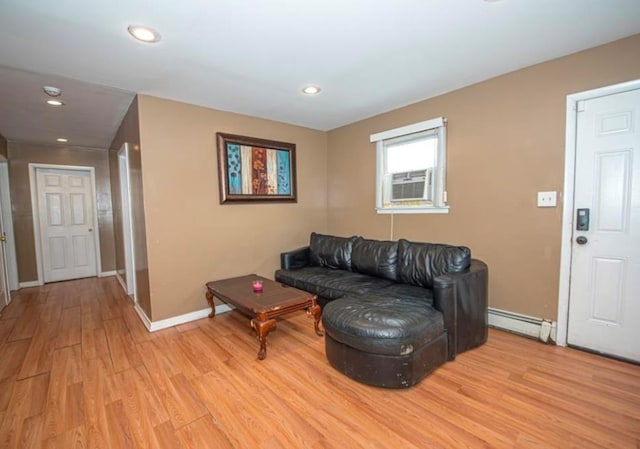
(547, 199)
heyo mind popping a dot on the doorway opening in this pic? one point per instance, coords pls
(129, 281)
(65, 222)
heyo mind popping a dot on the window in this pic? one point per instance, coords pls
(411, 163)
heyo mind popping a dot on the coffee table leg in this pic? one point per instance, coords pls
(211, 304)
(262, 328)
(316, 311)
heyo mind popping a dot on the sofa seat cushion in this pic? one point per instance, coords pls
(407, 291)
(382, 325)
(330, 283)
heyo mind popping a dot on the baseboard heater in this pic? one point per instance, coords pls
(538, 328)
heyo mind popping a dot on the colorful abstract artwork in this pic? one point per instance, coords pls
(252, 169)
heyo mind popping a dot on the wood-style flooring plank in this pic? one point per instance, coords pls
(26, 325)
(99, 389)
(70, 329)
(121, 348)
(203, 434)
(180, 400)
(71, 439)
(119, 432)
(65, 406)
(23, 415)
(39, 356)
(6, 327)
(143, 408)
(94, 343)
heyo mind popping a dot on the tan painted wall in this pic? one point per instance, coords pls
(505, 143)
(129, 132)
(20, 155)
(4, 154)
(191, 238)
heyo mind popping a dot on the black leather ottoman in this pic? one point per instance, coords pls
(386, 342)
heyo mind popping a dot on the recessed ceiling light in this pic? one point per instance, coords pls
(311, 90)
(55, 103)
(52, 91)
(62, 139)
(144, 34)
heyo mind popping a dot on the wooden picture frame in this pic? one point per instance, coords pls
(256, 170)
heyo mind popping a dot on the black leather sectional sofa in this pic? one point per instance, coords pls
(393, 311)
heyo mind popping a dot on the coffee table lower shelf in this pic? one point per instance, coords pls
(263, 307)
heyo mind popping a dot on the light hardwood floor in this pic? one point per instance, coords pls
(78, 369)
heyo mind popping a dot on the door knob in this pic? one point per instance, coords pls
(581, 240)
(90, 229)
(3, 238)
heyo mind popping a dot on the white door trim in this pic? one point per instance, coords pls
(36, 213)
(12, 261)
(567, 210)
(127, 221)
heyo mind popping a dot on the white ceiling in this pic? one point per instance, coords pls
(254, 56)
(90, 117)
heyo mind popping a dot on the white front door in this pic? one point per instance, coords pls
(604, 300)
(65, 204)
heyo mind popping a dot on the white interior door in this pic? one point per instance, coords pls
(5, 295)
(7, 227)
(65, 204)
(604, 300)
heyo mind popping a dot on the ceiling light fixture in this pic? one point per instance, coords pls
(144, 33)
(52, 91)
(55, 103)
(62, 139)
(311, 90)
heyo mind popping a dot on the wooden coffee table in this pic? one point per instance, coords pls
(275, 299)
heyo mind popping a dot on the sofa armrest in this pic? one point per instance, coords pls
(295, 259)
(462, 299)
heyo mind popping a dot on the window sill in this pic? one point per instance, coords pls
(414, 210)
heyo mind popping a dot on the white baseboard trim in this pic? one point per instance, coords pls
(29, 284)
(121, 282)
(543, 330)
(105, 274)
(143, 317)
(153, 326)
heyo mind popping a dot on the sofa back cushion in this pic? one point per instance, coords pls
(375, 258)
(420, 263)
(331, 251)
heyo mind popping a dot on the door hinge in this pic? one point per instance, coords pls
(581, 106)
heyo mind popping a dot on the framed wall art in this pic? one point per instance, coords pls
(252, 169)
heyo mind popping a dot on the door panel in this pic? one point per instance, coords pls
(613, 210)
(66, 224)
(604, 303)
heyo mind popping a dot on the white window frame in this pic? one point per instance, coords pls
(439, 206)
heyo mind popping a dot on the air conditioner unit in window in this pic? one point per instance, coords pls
(412, 185)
